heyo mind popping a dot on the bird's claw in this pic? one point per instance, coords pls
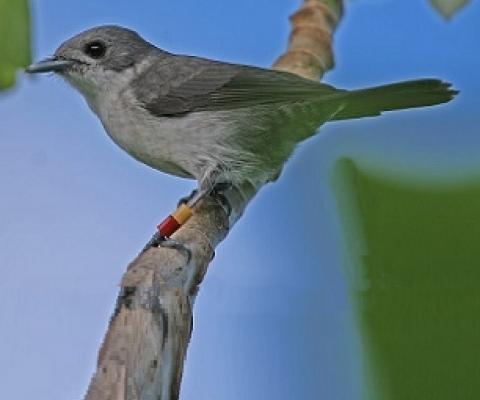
(186, 199)
(161, 241)
(153, 242)
(179, 246)
(217, 193)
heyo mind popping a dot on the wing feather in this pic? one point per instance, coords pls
(180, 85)
(189, 84)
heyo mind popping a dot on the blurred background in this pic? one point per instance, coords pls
(303, 300)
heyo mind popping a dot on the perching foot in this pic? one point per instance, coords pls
(186, 199)
(153, 242)
(161, 241)
(175, 244)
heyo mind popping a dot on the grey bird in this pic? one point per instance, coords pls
(216, 122)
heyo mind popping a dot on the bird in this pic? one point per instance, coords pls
(220, 123)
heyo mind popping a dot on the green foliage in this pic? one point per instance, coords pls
(415, 282)
(14, 39)
(448, 7)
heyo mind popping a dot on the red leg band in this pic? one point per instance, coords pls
(168, 226)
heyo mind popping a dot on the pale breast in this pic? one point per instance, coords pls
(245, 145)
(184, 146)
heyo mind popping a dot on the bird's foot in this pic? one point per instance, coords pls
(170, 243)
(186, 199)
(216, 193)
(158, 240)
(181, 215)
(153, 242)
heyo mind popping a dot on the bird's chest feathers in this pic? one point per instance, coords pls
(167, 144)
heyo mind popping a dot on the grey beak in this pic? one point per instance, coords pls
(52, 64)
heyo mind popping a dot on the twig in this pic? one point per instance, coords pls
(310, 52)
(144, 348)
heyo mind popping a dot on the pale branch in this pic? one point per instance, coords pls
(144, 349)
(310, 53)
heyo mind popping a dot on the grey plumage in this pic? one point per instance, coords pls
(211, 120)
(126, 47)
(192, 84)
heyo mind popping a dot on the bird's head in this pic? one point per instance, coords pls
(96, 59)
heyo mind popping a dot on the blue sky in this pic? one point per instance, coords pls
(272, 318)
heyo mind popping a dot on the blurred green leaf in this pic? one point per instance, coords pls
(448, 7)
(415, 282)
(14, 39)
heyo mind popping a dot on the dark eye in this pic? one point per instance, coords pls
(95, 49)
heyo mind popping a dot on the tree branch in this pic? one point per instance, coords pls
(144, 348)
(309, 53)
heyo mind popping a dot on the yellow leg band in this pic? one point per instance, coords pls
(182, 214)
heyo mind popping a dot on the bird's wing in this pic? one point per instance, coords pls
(183, 84)
(179, 85)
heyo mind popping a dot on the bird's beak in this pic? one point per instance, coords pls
(51, 64)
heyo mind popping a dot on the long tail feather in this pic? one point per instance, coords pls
(397, 96)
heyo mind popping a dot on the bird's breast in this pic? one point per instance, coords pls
(149, 141)
(185, 146)
(238, 142)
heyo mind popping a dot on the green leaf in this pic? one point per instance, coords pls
(448, 7)
(14, 39)
(415, 281)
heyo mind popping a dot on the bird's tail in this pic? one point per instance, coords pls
(397, 96)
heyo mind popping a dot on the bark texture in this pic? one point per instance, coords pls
(144, 349)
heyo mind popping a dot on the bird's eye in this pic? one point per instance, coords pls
(95, 49)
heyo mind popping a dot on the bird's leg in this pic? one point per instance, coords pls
(207, 187)
(218, 194)
(214, 185)
(186, 199)
(170, 224)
